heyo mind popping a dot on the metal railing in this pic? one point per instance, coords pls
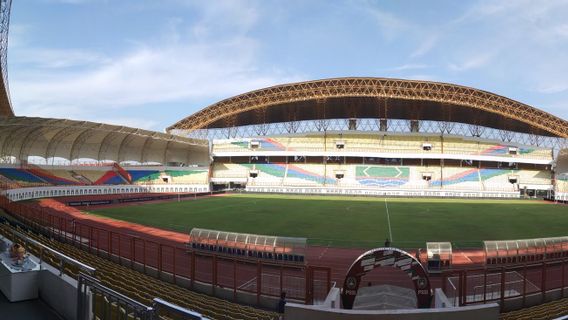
(63, 259)
(162, 307)
(93, 298)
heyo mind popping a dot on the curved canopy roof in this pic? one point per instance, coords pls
(344, 98)
(21, 137)
(5, 106)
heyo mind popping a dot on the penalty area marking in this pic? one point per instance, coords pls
(389, 221)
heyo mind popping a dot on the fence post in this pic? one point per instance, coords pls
(160, 261)
(192, 275)
(119, 251)
(308, 286)
(502, 288)
(98, 242)
(234, 279)
(281, 278)
(90, 239)
(543, 287)
(144, 254)
(133, 254)
(459, 289)
(563, 276)
(174, 264)
(109, 246)
(524, 283)
(484, 285)
(214, 275)
(258, 281)
(464, 290)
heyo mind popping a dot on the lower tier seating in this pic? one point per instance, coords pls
(382, 176)
(545, 311)
(144, 288)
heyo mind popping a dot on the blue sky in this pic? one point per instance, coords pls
(149, 63)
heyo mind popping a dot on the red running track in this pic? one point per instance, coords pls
(166, 250)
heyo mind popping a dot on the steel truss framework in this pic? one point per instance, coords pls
(375, 126)
(21, 138)
(420, 100)
(5, 105)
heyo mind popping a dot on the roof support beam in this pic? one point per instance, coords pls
(409, 91)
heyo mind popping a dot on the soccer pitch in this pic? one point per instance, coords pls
(356, 221)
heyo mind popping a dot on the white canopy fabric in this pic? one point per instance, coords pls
(21, 137)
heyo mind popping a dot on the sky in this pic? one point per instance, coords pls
(149, 63)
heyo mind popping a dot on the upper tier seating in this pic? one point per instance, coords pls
(562, 184)
(20, 175)
(144, 176)
(55, 177)
(179, 176)
(107, 175)
(390, 143)
(230, 170)
(194, 176)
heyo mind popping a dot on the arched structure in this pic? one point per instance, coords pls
(382, 257)
(380, 98)
(21, 137)
(5, 105)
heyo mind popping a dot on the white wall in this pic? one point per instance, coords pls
(60, 191)
(299, 311)
(384, 192)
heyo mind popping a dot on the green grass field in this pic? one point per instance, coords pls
(356, 221)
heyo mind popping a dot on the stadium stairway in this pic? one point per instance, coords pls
(144, 288)
(81, 178)
(121, 173)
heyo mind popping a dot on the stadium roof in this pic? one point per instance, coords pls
(345, 98)
(5, 105)
(21, 137)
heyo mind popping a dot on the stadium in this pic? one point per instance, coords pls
(359, 198)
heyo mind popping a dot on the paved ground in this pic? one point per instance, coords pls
(28, 310)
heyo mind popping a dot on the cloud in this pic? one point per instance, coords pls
(222, 15)
(410, 66)
(471, 62)
(561, 30)
(72, 1)
(177, 68)
(148, 75)
(426, 46)
(389, 24)
(423, 77)
(553, 88)
(58, 58)
(141, 123)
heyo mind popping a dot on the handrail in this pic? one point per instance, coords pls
(94, 282)
(168, 306)
(88, 286)
(60, 255)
